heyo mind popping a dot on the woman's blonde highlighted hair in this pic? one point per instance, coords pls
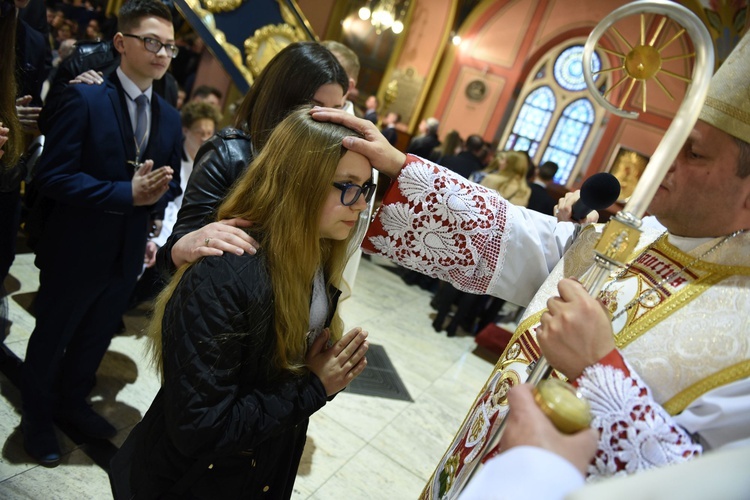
(282, 192)
(510, 182)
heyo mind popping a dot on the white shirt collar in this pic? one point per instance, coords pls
(130, 88)
(686, 244)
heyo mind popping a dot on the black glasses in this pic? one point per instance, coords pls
(350, 192)
(154, 45)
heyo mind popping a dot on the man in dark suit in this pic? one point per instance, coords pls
(99, 174)
(469, 161)
(389, 127)
(424, 144)
(540, 200)
(371, 114)
(91, 62)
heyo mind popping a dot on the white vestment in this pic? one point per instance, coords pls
(689, 352)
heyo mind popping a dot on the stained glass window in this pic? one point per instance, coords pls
(532, 121)
(555, 117)
(569, 68)
(568, 138)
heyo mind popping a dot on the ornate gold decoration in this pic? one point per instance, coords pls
(618, 240)
(730, 374)
(205, 15)
(391, 92)
(207, 18)
(266, 42)
(643, 61)
(287, 14)
(222, 5)
(708, 274)
(234, 54)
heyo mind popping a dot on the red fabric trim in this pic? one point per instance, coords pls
(392, 195)
(613, 359)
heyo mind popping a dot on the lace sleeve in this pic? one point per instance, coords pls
(636, 433)
(437, 223)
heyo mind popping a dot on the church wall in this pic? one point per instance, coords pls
(502, 41)
(318, 14)
(424, 37)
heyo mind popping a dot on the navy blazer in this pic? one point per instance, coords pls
(84, 170)
(33, 62)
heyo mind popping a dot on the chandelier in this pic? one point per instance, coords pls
(385, 14)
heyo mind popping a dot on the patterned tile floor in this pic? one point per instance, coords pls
(363, 447)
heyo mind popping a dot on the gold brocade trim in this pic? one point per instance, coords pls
(677, 254)
(501, 365)
(641, 325)
(728, 110)
(682, 399)
(525, 326)
(714, 273)
(523, 348)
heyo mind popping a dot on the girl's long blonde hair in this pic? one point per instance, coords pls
(282, 193)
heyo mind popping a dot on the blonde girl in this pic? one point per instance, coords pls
(250, 346)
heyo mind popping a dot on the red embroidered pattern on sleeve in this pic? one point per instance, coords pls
(437, 223)
(636, 433)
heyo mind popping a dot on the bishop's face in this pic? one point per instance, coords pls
(701, 195)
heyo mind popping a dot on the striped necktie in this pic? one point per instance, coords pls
(141, 124)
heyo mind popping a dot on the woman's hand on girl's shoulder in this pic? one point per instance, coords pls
(342, 362)
(214, 239)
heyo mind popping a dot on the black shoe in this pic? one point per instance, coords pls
(437, 324)
(87, 422)
(40, 442)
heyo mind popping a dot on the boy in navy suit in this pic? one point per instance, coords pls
(106, 169)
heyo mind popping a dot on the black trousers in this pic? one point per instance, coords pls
(77, 313)
(10, 208)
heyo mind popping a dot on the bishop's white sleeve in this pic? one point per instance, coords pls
(524, 472)
(721, 417)
(437, 223)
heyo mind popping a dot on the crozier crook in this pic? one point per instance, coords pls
(642, 62)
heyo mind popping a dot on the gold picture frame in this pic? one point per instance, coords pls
(628, 166)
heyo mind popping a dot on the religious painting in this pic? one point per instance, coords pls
(726, 20)
(627, 165)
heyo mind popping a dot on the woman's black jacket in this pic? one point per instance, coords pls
(218, 164)
(226, 423)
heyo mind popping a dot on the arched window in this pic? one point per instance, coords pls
(568, 68)
(555, 119)
(532, 122)
(567, 139)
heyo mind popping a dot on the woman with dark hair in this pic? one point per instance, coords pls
(302, 73)
(249, 346)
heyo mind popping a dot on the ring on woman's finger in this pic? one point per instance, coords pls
(207, 241)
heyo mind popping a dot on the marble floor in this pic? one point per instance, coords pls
(359, 447)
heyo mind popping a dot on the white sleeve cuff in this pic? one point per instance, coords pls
(525, 472)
